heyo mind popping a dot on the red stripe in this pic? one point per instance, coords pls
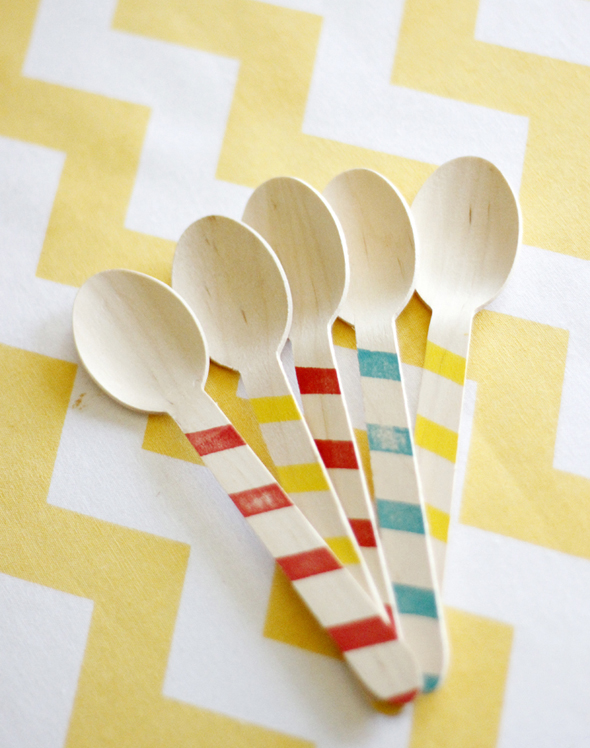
(364, 532)
(389, 610)
(314, 381)
(337, 454)
(309, 563)
(363, 633)
(215, 440)
(261, 499)
(404, 698)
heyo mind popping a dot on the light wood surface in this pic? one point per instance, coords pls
(235, 285)
(308, 240)
(468, 221)
(142, 345)
(138, 343)
(381, 248)
(300, 227)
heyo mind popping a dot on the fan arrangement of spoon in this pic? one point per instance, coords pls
(369, 568)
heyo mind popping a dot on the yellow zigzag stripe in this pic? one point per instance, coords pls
(437, 52)
(135, 579)
(276, 48)
(102, 140)
(445, 363)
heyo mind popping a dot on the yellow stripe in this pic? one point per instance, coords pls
(343, 334)
(436, 438)
(438, 523)
(300, 478)
(343, 549)
(445, 363)
(273, 409)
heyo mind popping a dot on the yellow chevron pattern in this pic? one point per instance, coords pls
(437, 53)
(457, 715)
(523, 495)
(102, 141)
(276, 48)
(135, 579)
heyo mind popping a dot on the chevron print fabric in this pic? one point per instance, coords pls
(137, 607)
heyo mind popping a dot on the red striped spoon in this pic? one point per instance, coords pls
(302, 229)
(143, 346)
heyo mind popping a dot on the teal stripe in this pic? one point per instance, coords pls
(378, 364)
(430, 682)
(389, 439)
(415, 601)
(397, 515)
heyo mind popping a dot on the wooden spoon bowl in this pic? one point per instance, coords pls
(234, 283)
(168, 360)
(380, 239)
(469, 225)
(300, 227)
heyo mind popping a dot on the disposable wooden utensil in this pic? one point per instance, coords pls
(381, 250)
(303, 231)
(141, 344)
(236, 287)
(468, 221)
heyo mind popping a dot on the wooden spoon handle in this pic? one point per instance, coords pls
(399, 502)
(327, 417)
(437, 424)
(351, 618)
(301, 472)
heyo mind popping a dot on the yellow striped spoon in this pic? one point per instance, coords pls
(468, 222)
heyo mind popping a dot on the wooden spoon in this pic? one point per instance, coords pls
(469, 225)
(141, 344)
(233, 282)
(304, 232)
(380, 242)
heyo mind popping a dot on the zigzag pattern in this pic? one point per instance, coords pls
(539, 504)
(437, 52)
(135, 579)
(102, 140)
(277, 49)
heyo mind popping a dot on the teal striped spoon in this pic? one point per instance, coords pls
(380, 239)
